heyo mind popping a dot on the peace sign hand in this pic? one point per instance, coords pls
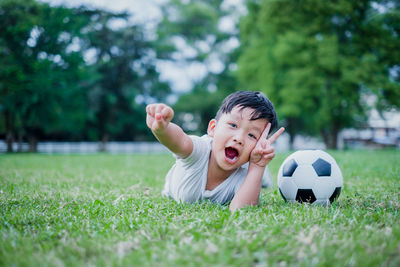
(264, 152)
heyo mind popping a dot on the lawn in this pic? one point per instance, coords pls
(106, 210)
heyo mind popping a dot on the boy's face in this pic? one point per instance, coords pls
(234, 137)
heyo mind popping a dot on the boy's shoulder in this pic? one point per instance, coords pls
(203, 143)
(202, 140)
(201, 149)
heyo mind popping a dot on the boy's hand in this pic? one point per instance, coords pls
(158, 116)
(264, 152)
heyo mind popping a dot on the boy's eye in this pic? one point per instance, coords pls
(252, 136)
(233, 125)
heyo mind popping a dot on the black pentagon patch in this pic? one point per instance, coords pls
(335, 194)
(322, 167)
(282, 194)
(289, 168)
(305, 195)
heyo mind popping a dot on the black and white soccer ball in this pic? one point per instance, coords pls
(311, 176)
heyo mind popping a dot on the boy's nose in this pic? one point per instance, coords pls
(238, 139)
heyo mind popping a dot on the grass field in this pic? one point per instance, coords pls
(106, 210)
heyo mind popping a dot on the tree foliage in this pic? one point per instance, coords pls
(39, 70)
(67, 73)
(318, 61)
(80, 73)
(124, 60)
(197, 24)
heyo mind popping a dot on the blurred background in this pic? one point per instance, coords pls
(75, 76)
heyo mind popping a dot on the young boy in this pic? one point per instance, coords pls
(214, 166)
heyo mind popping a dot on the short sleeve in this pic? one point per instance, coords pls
(186, 179)
(201, 148)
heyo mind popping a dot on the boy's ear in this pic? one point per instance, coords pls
(211, 127)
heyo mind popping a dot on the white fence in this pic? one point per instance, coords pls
(89, 147)
(281, 144)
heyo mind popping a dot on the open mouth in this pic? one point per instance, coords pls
(231, 154)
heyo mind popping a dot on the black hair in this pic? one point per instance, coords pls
(261, 105)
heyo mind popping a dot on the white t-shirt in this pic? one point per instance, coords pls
(187, 178)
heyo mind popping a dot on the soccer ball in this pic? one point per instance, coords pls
(311, 176)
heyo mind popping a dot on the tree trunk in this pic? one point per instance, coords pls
(330, 138)
(9, 133)
(103, 143)
(9, 141)
(32, 144)
(292, 128)
(20, 140)
(291, 141)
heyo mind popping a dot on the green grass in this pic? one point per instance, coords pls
(106, 210)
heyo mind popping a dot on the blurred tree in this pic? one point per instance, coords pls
(68, 72)
(39, 70)
(191, 32)
(124, 57)
(318, 61)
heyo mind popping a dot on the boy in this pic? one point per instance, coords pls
(214, 166)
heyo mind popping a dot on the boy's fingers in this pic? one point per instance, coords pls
(158, 122)
(158, 116)
(275, 136)
(149, 109)
(269, 150)
(269, 156)
(159, 108)
(266, 131)
(167, 113)
(153, 110)
(264, 149)
(256, 151)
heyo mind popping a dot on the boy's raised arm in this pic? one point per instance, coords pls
(169, 134)
(262, 154)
